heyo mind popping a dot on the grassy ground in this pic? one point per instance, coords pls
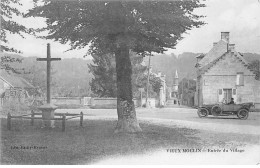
(95, 141)
(85, 145)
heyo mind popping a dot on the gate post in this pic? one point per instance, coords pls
(9, 121)
(32, 119)
(81, 118)
(63, 122)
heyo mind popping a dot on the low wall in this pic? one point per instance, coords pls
(105, 102)
(256, 108)
(67, 100)
(151, 101)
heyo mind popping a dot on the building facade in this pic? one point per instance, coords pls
(223, 74)
(13, 88)
(173, 92)
(162, 94)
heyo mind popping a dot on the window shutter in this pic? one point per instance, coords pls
(234, 91)
(220, 91)
(240, 79)
(220, 95)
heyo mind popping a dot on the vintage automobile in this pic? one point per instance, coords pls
(241, 110)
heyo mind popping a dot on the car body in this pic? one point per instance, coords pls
(241, 110)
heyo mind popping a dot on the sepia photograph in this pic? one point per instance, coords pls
(130, 82)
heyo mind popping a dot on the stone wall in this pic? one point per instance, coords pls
(67, 100)
(198, 95)
(152, 102)
(105, 102)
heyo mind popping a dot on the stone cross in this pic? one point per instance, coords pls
(48, 109)
(48, 59)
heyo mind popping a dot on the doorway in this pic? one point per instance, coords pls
(227, 94)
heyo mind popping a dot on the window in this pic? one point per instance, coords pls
(220, 91)
(240, 79)
(205, 83)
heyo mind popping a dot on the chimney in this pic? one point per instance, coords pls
(231, 47)
(214, 44)
(225, 36)
(199, 57)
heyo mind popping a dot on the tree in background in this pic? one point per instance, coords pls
(255, 66)
(103, 84)
(36, 74)
(154, 85)
(6, 64)
(118, 27)
(187, 88)
(104, 71)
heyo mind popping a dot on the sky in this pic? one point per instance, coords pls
(239, 17)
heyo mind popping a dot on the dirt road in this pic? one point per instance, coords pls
(226, 140)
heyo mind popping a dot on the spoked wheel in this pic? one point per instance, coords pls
(216, 110)
(203, 112)
(242, 114)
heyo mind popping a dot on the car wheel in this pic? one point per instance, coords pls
(242, 114)
(203, 112)
(216, 110)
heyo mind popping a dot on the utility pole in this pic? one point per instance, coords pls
(148, 79)
(188, 91)
(182, 91)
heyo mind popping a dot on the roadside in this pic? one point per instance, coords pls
(218, 145)
(95, 143)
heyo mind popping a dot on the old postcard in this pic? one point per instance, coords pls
(130, 82)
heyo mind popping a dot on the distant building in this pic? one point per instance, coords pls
(13, 88)
(223, 73)
(173, 96)
(162, 94)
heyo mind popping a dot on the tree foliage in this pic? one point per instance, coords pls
(146, 26)
(255, 66)
(8, 25)
(6, 64)
(103, 84)
(118, 27)
(104, 71)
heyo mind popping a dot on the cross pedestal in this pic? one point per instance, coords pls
(47, 115)
(48, 109)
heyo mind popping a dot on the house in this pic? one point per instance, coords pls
(159, 100)
(162, 94)
(223, 74)
(13, 88)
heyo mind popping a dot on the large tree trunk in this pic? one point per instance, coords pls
(127, 121)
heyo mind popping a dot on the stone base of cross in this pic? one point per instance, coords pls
(47, 115)
(48, 108)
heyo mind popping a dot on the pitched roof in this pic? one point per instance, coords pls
(14, 81)
(217, 51)
(211, 64)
